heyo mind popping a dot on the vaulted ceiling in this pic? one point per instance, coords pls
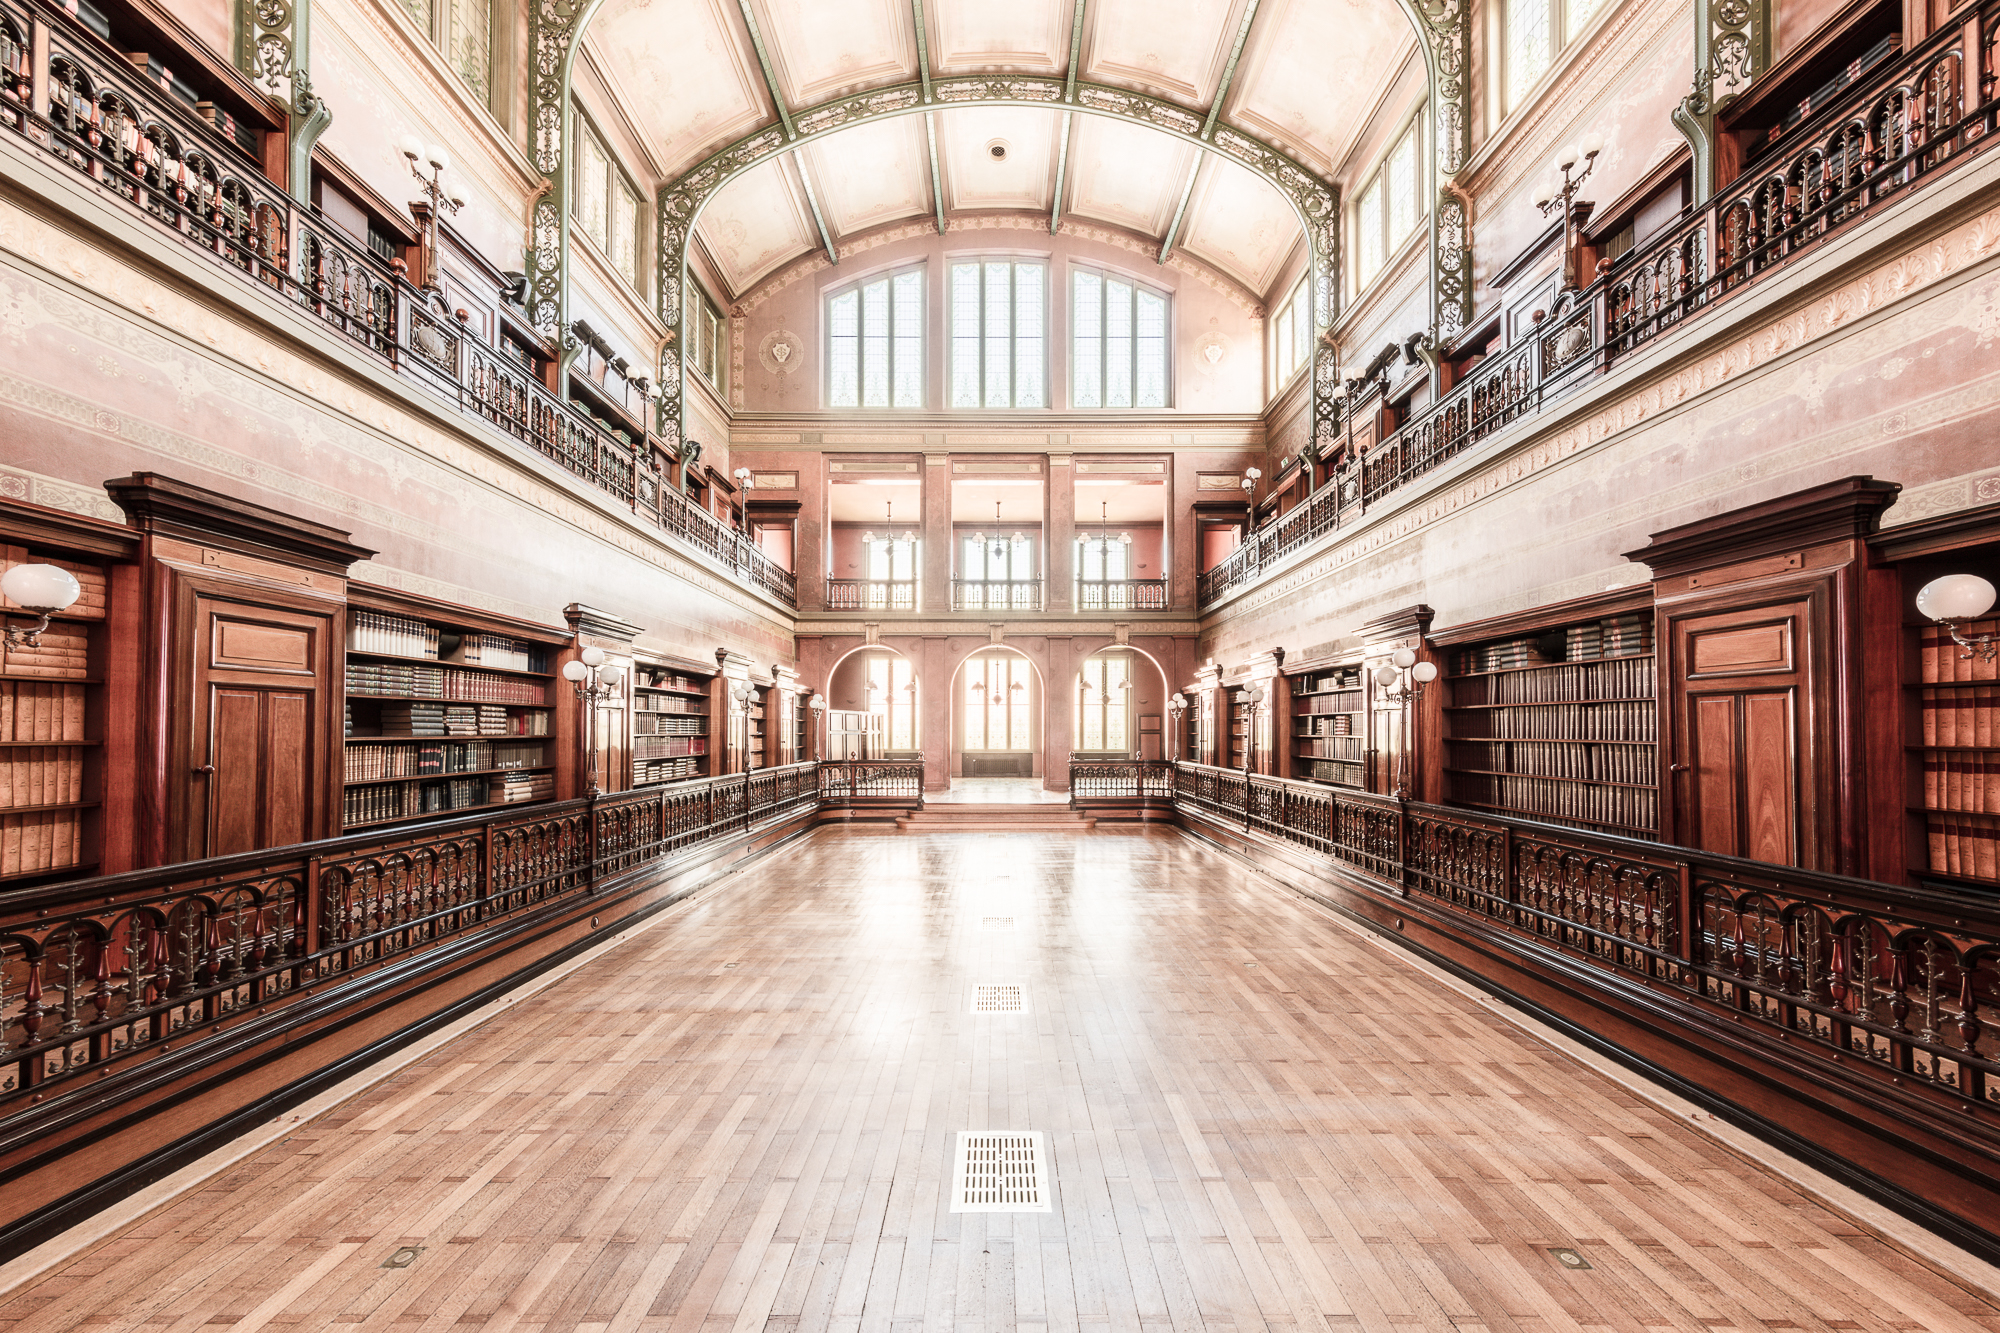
(688, 76)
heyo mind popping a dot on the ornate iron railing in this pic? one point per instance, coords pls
(88, 108)
(1901, 980)
(1907, 120)
(871, 594)
(996, 594)
(1121, 594)
(94, 971)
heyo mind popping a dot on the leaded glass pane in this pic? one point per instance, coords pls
(1403, 188)
(875, 344)
(998, 340)
(1302, 325)
(1117, 343)
(909, 364)
(469, 44)
(965, 335)
(843, 388)
(1529, 48)
(1150, 352)
(594, 186)
(625, 231)
(1087, 356)
(1369, 230)
(1029, 374)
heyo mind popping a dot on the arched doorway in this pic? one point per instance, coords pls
(873, 706)
(1120, 706)
(996, 716)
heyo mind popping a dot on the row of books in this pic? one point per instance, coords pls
(1965, 846)
(665, 770)
(1962, 717)
(1343, 773)
(399, 719)
(32, 711)
(373, 805)
(379, 632)
(667, 680)
(668, 747)
(367, 763)
(63, 654)
(1624, 721)
(1963, 783)
(1337, 724)
(40, 775)
(391, 678)
(1943, 660)
(1626, 635)
(1333, 747)
(668, 724)
(1620, 678)
(1577, 802)
(1559, 759)
(495, 650)
(47, 841)
(654, 703)
(1342, 701)
(515, 788)
(1320, 682)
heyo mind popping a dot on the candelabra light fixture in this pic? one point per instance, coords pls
(744, 480)
(892, 536)
(1401, 681)
(1177, 706)
(596, 682)
(442, 198)
(999, 541)
(1951, 601)
(42, 591)
(1104, 541)
(817, 706)
(1559, 191)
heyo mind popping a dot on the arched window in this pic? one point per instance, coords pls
(892, 696)
(1118, 344)
(875, 342)
(1104, 704)
(998, 692)
(998, 331)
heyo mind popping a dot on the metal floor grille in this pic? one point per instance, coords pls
(1002, 998)
(1000, 1173)
(998, 923)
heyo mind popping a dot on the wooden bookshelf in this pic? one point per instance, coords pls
(761, 742)
(51, 728)
(670, 722)
(443, 716)
(1236, 730)
(1330, 726)
(1958, 748)
(1560, 724)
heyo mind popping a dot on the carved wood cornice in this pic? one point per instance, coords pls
(1843, 510)
(159, 505)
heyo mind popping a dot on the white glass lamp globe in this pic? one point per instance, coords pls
(437, 157)
(609, 677)
(817, 703)
(41, 588)
(1404, 658)
(592, 657)
(1953, 597)
(1385, 674)
(410, 146)
(1424, 672)
(1255, 694)
(575, 671)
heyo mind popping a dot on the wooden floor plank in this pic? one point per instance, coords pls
(742, 1119)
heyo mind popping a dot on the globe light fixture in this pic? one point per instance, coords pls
(40, 590)
(1951, 601)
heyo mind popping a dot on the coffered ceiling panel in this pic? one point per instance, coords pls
(756, 222)
(873, 173)
(822, 48)
(1125, 175)
(1313, 71)
(978, 181)
(686, 77)
(1172, 48)
(1239, 223)
(1031, 36)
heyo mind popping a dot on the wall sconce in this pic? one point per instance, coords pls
(40, 590)
(1402, 680)
(1561, 190)
(442, 198)
(1950, 601)
(595, 683)
(1249, 483)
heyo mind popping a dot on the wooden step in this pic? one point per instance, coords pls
(1042, 817)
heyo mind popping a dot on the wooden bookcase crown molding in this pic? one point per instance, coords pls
(162, 506)
(1845, 510)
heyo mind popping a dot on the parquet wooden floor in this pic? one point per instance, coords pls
(741, 1119)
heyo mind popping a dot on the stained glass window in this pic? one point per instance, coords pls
(997, 333)
(875, 342)
(1530, 45)
(1119, 337)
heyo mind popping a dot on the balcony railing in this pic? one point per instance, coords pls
(88, 109)
(1908, 120)
(1121, 594)
(996, 594)
(871, 594)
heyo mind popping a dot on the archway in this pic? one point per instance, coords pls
(873, 706)
(1119, 706)
(996, 715)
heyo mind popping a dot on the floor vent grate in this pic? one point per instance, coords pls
(998, 923)
(1000, 1173)
(998, 999)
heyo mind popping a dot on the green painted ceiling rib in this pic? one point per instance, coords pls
(1174, 227)
(1062, 169)
(770, 75)
(937, 181)
(825, 236)
(1229, 70)
(1075, 51)
(923, 47)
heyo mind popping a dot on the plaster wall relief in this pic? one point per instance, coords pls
(108, 370)
(1890, 373)
(384, 82)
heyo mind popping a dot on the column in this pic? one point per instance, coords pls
(1059, 554)
(937, 534)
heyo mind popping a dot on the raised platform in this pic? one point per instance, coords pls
(1012, 817)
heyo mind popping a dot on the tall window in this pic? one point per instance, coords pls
(892, 571)
(1119, 343)
(607, 206)
(892, 696)
(1103, 558)
(1104, 703)
(875, 342)
(997, 332)
(996, 559)
(469, 44)
(1536, 32)
(1390, 204)
(706, 335)
(1291, 335)
(997, 700)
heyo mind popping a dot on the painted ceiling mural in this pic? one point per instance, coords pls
(693, 79)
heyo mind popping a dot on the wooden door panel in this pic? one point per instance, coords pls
(1713, 760)
(237, 734)
(288, 768)
(1744, 650)
(1770, 779)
